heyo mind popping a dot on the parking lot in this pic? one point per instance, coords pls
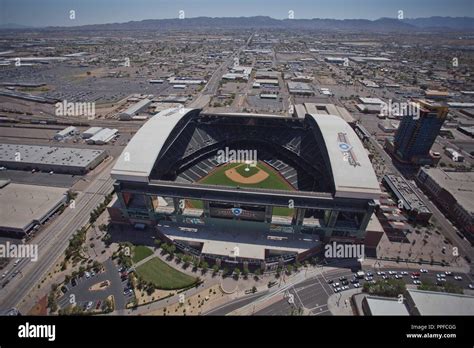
(77, 291)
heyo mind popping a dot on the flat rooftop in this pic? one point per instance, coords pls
(385, 306)
(410, 198)
(441, 303)
(249, 244)
(459, 184)
(60, 156)
(21, 205)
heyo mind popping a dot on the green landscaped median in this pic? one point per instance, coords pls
(163, 276)
(140, 252)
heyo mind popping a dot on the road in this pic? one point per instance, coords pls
(312, 292)
(53, 241)
(448, 229)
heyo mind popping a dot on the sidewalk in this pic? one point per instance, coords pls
(340, 303)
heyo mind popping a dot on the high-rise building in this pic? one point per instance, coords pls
(417, 132)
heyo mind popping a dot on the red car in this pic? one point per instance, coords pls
(416, 274)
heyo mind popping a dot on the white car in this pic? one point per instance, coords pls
(457, 278)
(335, 285)
(403, 273)
(88, 275)
(368, 279)
(423, 270)
(345, 288)
(448, 273)
(356, 285)
(335, 290)
(416, 282)
(471, 286)
(381, 273)
(385, 276)
(338, 289)
(414, 277)
(397, 276)
(440, 275)
(89, 305)
(392, 272)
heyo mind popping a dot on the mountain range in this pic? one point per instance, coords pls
(264, 22)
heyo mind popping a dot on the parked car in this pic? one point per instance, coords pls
(448, 273)
(89, 305)
(342, 278)
(87, 274)
(356, 285)
(381, 273)
(73, 282)
(457, 278)
(416, 282)
(416, 274)
(423, 270)
(98, 304)
(330, 281)
(471, 286)
(404, 273)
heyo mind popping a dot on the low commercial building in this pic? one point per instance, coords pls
(103, 137)
(91, 132)
(300, 88)
(373, 305)
(453, 192)
(25, 206)
(50, 158)
(134, 109)
(422, 302)
(67, 132)
(407, 198)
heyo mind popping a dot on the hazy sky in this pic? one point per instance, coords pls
(56, 12)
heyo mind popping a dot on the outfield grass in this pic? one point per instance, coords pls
(163, 276)
(140, 252)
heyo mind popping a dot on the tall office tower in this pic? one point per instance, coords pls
(418, 131)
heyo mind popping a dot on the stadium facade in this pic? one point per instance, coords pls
(163, 179)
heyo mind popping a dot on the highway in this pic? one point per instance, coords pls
(53, 241)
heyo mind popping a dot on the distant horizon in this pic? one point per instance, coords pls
(46, 13)
(215, 17)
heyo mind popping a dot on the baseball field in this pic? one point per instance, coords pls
(244, 175)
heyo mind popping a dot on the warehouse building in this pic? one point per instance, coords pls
(91, 132)
(26, 206)
(103, 137)
(50, 158)
(67, 132)
(300, 88)
(134, 109)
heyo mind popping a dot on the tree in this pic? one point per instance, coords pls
(236, 272)
(204, 266)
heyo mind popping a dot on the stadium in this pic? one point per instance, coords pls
(246, 187)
